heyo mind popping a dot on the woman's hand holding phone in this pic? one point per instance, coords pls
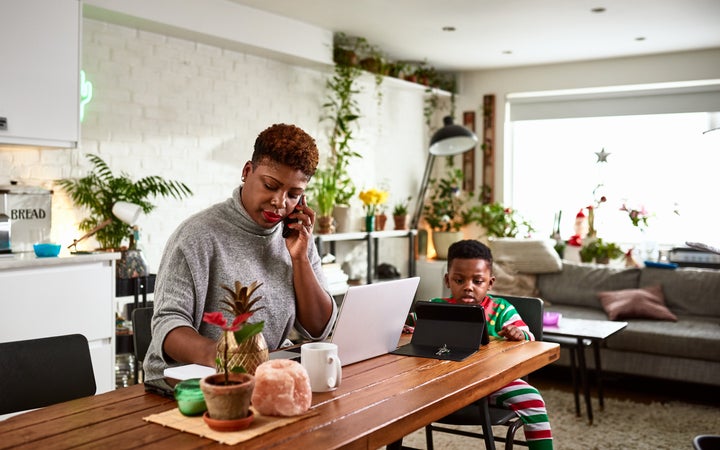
(287, 221)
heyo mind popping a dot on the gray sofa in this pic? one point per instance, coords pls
(686, 350)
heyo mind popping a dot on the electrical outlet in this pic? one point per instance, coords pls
(3, 123)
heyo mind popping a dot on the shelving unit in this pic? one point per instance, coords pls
(372, 241)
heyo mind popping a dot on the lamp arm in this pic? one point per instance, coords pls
(423, 190)
(102, 225)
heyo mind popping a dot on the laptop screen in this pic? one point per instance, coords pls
(371, 318)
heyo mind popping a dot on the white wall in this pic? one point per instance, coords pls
(685, 66)
(190, 111)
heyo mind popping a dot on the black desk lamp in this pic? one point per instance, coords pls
(449, 140)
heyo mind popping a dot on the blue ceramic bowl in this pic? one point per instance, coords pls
(45, 250)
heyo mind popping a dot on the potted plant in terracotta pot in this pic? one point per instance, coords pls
(400, 212)
(228, 393)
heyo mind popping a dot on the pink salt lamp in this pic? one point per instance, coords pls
(282, 388)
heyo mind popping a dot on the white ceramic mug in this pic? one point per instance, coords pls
(322, 364)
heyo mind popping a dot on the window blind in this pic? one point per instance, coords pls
(616, 101)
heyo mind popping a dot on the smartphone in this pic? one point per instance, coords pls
(160, 386)
(287, 220)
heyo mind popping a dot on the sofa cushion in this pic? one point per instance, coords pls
(693, 337)
(643, 303)
(578, 284)
(526, 255)
(687, 290)
(509, 282)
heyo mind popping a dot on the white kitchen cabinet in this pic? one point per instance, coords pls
(40, 76)
(41, 297)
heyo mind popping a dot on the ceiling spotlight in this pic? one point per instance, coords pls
(598, 10)
(448, 28)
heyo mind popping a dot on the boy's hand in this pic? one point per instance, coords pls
(512, 333)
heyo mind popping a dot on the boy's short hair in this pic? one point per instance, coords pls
(287, 144)
(469, 249)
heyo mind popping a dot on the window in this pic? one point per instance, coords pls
(660, 161)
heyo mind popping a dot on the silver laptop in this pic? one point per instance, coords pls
(370, 320)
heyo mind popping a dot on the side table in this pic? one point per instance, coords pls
(575, 335)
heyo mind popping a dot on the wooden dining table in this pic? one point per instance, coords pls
(379, 401)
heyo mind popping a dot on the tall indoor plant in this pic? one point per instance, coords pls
(342, 111)
(101, 189)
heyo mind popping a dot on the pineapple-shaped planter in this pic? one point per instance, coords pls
(251, 352)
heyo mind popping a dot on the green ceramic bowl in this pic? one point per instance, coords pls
(190, 399)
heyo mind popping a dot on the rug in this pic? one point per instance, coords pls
(622, 425)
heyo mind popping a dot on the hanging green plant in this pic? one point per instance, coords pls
(343, 111)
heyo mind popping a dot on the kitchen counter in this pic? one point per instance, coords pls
(29, 260)
(62, 295)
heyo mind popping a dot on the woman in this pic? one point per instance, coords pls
(241, 239)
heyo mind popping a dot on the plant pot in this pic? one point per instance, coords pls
(228, 425)
(400, 222)
(442, 241)
(248, 354)
(231, 401)
(341, 214)
(380, 221)
(325, 225)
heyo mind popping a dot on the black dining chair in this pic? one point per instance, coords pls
(141, 319)
(479, 412)
(35, 373)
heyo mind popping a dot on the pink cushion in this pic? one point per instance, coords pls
(645, 303)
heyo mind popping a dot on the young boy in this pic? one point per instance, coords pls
(469, 277)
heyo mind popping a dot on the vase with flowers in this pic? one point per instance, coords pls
(240, 350)
(371, 199)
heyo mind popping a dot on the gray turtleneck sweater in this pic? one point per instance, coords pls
(216, 247)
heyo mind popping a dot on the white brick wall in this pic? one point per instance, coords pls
(190, 111)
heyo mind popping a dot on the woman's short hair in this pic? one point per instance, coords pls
(289, 145)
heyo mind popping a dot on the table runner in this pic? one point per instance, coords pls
(196, 425)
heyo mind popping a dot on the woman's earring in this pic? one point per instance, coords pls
(242, 179)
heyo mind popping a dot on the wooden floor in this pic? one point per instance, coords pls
(641, 389)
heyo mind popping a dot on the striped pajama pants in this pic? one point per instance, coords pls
(529, 405)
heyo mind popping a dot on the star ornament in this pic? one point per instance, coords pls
(602, 156)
